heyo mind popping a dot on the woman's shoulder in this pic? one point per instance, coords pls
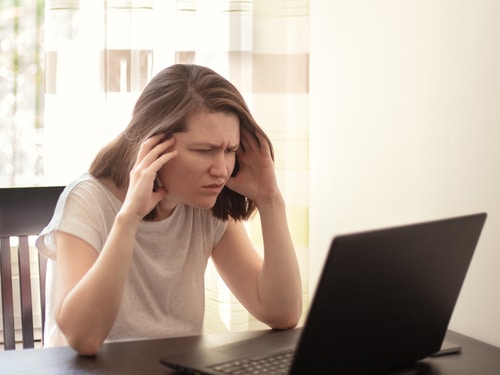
(83, 209)
(88, 187)
(86, 196)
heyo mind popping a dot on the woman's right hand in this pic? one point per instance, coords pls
(141, 196)
(87, 278)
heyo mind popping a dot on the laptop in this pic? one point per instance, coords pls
(383, 302)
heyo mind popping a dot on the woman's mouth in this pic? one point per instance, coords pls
(213, 188)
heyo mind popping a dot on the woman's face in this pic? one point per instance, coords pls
(205, 160)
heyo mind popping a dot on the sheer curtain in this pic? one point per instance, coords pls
(100, 54)
(21, 92)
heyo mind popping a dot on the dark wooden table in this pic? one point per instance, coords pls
(142, 357)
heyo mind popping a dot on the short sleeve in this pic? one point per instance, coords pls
(80, 211)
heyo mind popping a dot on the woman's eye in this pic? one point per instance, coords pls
(211, 150)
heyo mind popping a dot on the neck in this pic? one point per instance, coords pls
(164, 209)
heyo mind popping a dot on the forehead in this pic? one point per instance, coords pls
(212, 126)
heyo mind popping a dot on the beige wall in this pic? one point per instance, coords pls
(405, 126)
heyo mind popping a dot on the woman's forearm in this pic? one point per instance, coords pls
(89, 310)
(280, 286)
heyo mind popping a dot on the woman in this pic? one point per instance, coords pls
(131, 238)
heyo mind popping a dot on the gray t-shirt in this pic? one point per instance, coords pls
(164, 295)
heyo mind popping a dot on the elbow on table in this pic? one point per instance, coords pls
(286, 321)
(285, 324)
(87, 347)
(83, 342)
(283, 327)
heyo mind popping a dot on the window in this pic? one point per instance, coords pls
(21, 92)
(90, 60)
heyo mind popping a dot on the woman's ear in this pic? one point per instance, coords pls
(157, 183)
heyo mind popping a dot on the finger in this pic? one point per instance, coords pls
(148, 145)
(163, 159)
(247, 140)
(163, 147)
(255, 141)
(154, 148)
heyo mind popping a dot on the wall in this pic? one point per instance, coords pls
(405, 126)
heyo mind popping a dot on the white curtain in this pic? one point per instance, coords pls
(21, 92)
(101, 53)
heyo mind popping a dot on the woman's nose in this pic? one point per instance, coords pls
(220, 166)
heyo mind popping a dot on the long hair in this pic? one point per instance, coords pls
(162, 108)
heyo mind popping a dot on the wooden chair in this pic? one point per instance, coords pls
(23, 212)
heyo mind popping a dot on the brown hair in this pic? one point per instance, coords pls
(167, 100)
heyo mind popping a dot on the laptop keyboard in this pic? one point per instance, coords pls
(275, 364)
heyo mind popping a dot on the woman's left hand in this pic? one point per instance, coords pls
(256, 178)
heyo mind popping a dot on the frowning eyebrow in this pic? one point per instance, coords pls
(214, 145)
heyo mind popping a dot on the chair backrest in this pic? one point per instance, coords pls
(24, 211)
